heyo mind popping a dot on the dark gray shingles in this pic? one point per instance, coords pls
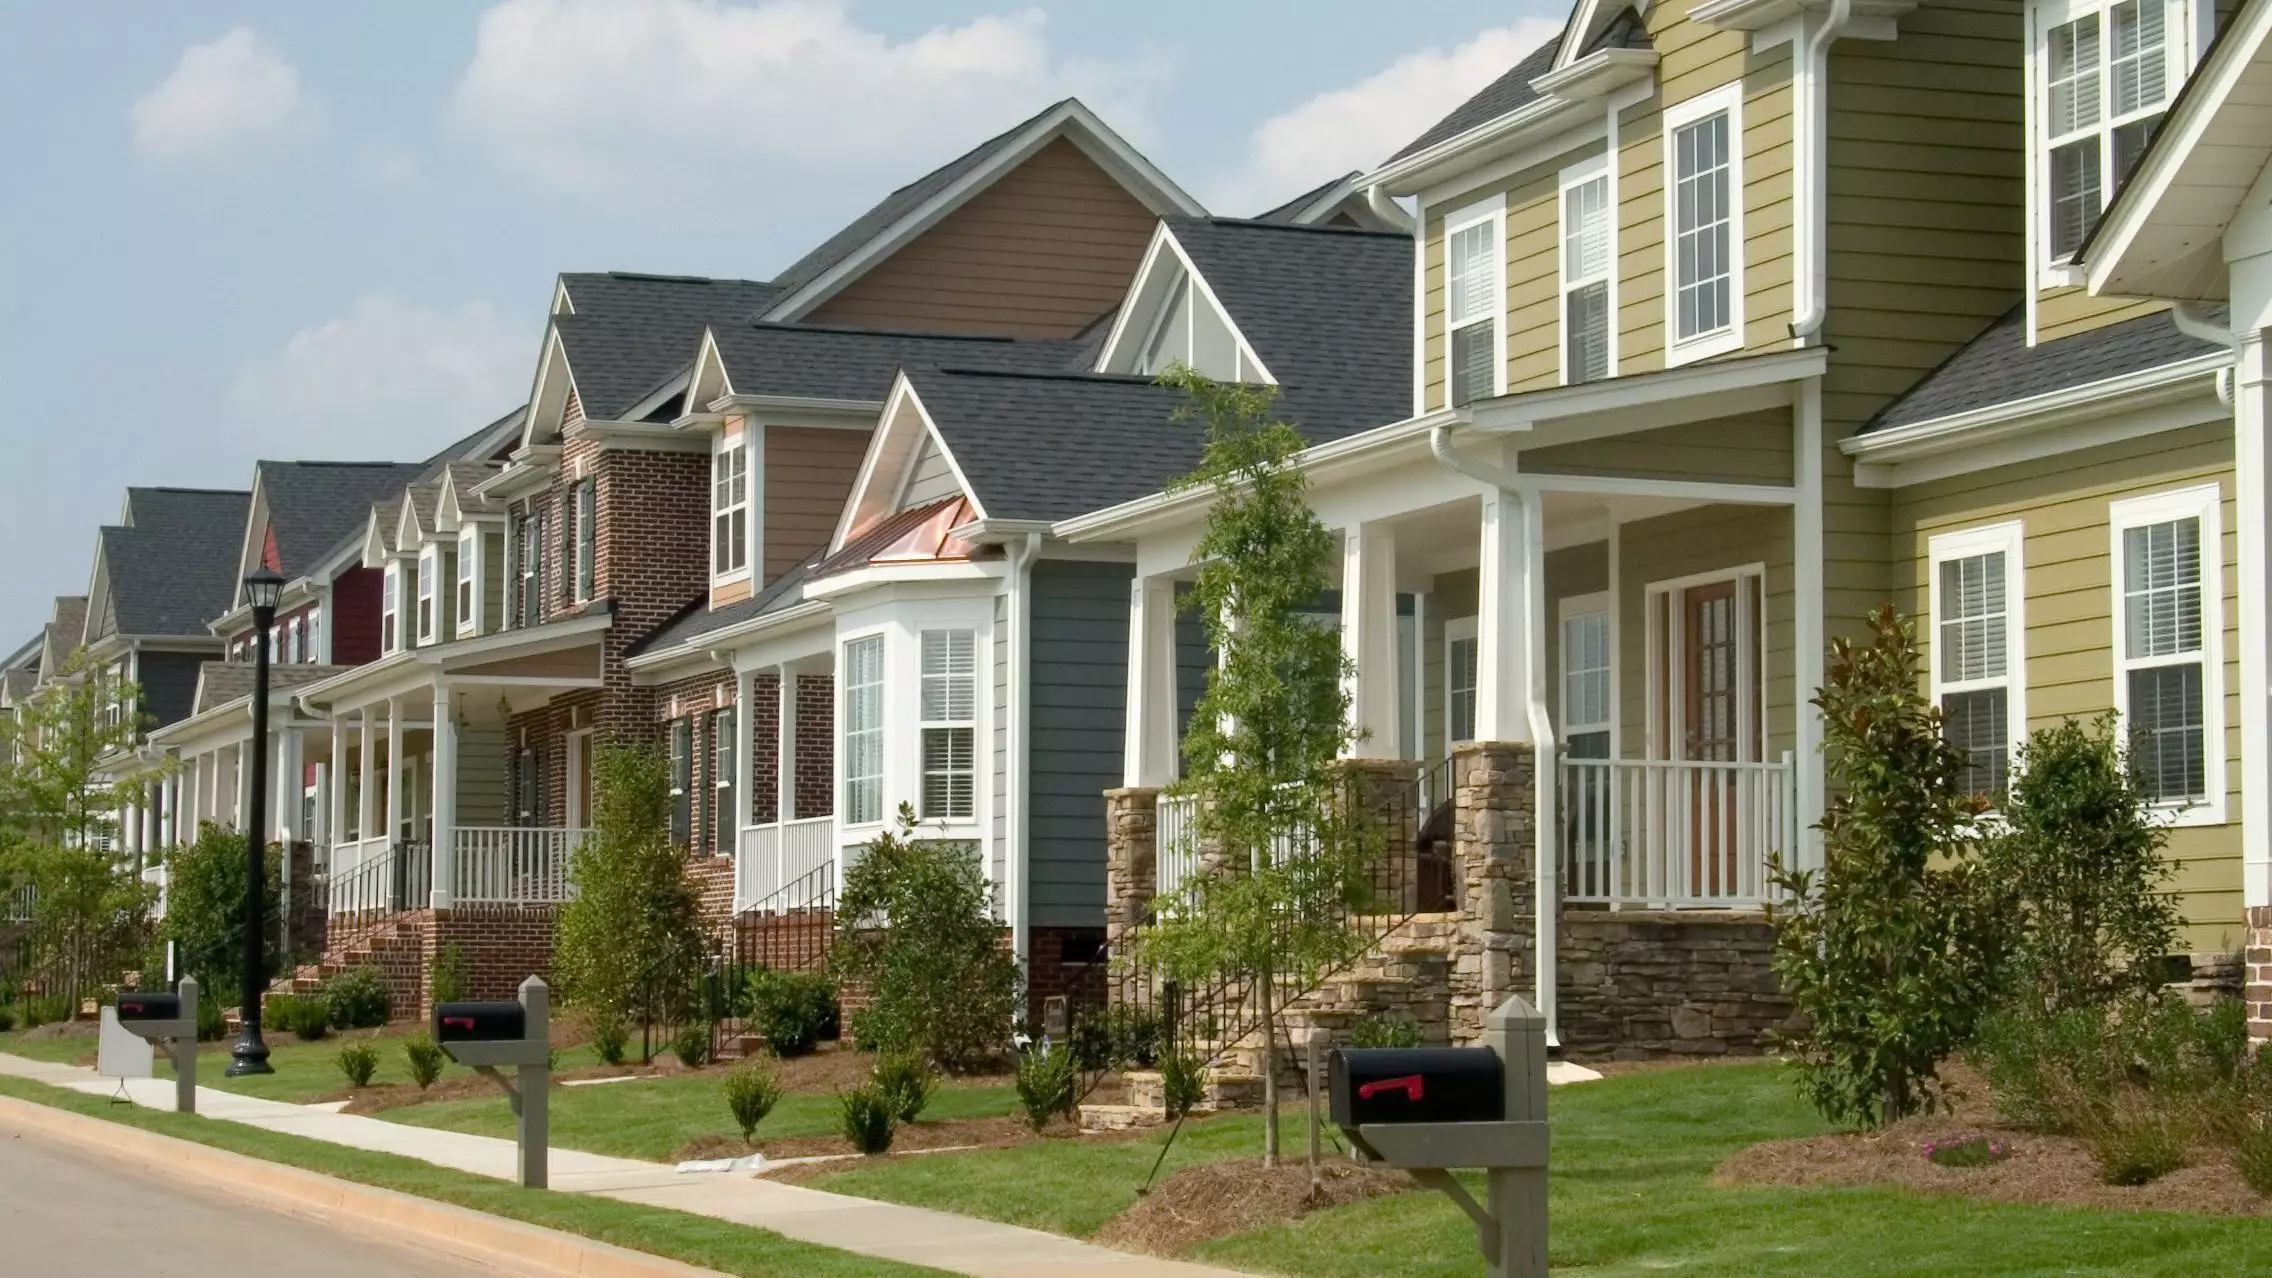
(221, 682)
(1054, 446)
(1999, 366)
(633, 295)
(176, 568)
(1293, 208)
(508, 425)
(631, 335)
(699, 618)
(858, 364)
(312, 505)
(1510, 92)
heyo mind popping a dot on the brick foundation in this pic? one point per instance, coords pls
(1067, 962)
(503, 946)
(2257, 958)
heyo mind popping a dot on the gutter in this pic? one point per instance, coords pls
(1939, 434)
(1018, 874)
(1812, 141)
(763, 623)
(2192, 321)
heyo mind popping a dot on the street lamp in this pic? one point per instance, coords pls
(262, 586)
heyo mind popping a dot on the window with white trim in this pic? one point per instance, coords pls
(1588, 252)
(531, 537)
(2106, 72)
(682, 780)
(294, 652)
(390, 607)
(722, 746)
(1977, 600)
(469, 560)
(1460, 653)
(587, 538)
(1587, 707)
(1473, 298)
(1704, 235)
(2168, 645)
(729, 509)
(948, 716)
(864, 730)
(429, 586)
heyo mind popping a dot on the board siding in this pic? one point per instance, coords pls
(809, 472)
(1076, 702)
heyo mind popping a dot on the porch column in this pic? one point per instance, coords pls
(153, 819)
(369, 779)
(168, 832)
(745, 745)
(335, 794)
(785, 748)
(1510, 698)
(394, 769)
(1368, 638)
(2252, 485)
(1807, 552)
(1150, 752)
(445, 850)
(290, 788)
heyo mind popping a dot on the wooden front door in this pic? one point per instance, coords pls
(1711, 729)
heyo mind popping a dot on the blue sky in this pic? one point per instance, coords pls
(241, 230)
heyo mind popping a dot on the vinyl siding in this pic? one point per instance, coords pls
(2064, 312)
(2062, 503)
(930, 479)
(169, 684)
(1534, 276)
(482, 782)
(1753, 449)
(492, 580)
(808, 474)
(1077, 701)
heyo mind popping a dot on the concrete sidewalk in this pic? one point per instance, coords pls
(914, 1235)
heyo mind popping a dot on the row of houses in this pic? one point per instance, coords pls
(1628, 386)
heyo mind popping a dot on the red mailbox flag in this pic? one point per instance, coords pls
(1412, 1085)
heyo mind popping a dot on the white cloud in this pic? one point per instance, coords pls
(392, 166)
(1359, 126)
(227, 95)
(389, 379)
(632, 100)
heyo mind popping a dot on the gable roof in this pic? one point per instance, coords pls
(822, 362)
(65, 632)
(487, 443)
(699, 618)
(176, 567)
(1999, 366)
(311, 505)
(637, 294)
(222, 682)
(1509, 93)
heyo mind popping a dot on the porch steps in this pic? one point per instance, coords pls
(396, 949)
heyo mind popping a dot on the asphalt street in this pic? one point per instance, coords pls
(63, 1213)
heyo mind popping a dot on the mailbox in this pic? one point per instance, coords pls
(480, 1022)
(1417, 1085)
(169, 1020)
(134, 1007)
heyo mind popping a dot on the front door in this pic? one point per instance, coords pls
(1711, 729)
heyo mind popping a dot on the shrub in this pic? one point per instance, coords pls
(305, 1018)
(210, 1026)
(1386, 1030)
(1183, 1082)
(357, 999)
(610, 1037)
(205, 895)
(793, 1010)
(425, 1059)
(941, 981)
(2253, 1155)
(751, 1093)
(2071, 1070)
(7, 1018)
(630, 940)
(1120, 1036)
(449, 976)
(2139, 1142)
(358, 1061)
(692, 1044)
(1048, 1083)
(1967, 1151)
(866, 1119)
(905, 1080)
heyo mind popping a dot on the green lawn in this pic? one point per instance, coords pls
(1631, 1195)
(654, 1118)
(695, 1240)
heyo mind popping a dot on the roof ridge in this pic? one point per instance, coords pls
(858, 331)
(664, 278)
(1070, 375)
(172, 488)
(1306, 228)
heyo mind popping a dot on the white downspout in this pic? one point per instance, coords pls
(1811, 172)
(1547, 874)
(2192, 321)
(1017, 874)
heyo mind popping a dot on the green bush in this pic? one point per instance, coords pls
(424, 1058)
(751, 1093)
(358, 1061)
(866, 1119)
(2253, 1155)
(1049, 1079)
(792, 1010)
(631, 940)
(1183, 1082)
(2069, 1071)
(210, 1026)
(357, 999)
(205, 894)
(905, 1081)
(448, 976)
(1122, 1036)
(692, 1044)
(2139, 1142)
(305, 1018)
(610, 1038)
(7, 1018)
(1385, 1030)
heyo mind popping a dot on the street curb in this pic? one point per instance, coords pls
(368, 1211)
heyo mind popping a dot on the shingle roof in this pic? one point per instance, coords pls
(634, 295)
(1510, 92)
(65, 631)
(699, 618)
(1293, 208)
(176, 568)
(1999, 366)
(1038, 446)
(458, 448)
(851, 363)
(631, 334)
(221, 682)
(312, 505)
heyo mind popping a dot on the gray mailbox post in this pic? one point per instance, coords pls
(1429, 1111)
(170, 1021)
(490, 1035)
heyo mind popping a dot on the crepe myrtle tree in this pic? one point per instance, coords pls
(1259, 756)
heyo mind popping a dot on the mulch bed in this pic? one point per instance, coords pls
(1216, 1200)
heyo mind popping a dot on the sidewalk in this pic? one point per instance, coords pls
(912, 1235)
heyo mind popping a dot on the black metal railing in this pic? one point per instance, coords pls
(357, 903)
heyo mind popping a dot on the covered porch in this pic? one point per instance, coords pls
(787, 857)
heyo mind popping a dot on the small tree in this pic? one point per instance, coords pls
(1890, 953)
(205, 907)
(916, 930)
(630, 942)
(2078, 860)
(1273, 719)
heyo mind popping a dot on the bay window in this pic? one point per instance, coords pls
(1977, 600)
(1473, 297)
(1704, 225)
(2168, 646)
(948, 723)
(864, 730)
(1588, 255)
(729, 509)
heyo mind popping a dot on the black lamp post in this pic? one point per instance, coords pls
(262, 587)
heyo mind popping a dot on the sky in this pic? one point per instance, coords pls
(231, 231)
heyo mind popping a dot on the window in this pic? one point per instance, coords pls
(469, 544)
(2106, 71)
(1704, 308)
(2168, 637)
(722, 782)
(1191, 331)
(390, 607)
(315, 636)
(528, 788)
(1977, 598)
(1588, 253)
(1587, 707)
(1459, 680)
(429, 585)
(729, 509)
(1472, 299)
(682, 780)
(948, 716)
(529, 537)
(294, 651)
(864, 730)
(587, 537)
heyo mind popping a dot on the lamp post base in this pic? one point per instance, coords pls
(249, 1056)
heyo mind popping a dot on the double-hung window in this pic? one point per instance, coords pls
(469, 559)
(2107, 72)
(864, 730)
(587, 537)
(1588, 252)
(529, 538)
(1704, 232)
(1459, 680)
(390, 607)
(1472, 300)
(948, 723)
(1587, 708)
(2168, 645)
(722, 782)
(1978, 600)
(729, 509)
(682, 780)
(429, 587)
(294, 653)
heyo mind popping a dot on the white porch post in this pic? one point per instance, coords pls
(1807, 551)
(365, 794)
(1510, 695)
(335, 792)
(394, 769)
(1368, 638)
(290, 786)
(153, 816)
(785, 747)
(1149, 753)
(240, 780)
(745, 746)
(445, 850)
(169, 833)
(2252, 483)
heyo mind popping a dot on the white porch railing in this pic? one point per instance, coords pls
(1176, 836)
(511, 865)
(1675, 833)
(773, 864)
(359, 878)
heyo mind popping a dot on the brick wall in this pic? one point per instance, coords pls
(1066, 962)
(816, 745)
(503, 946)
(2258, 981)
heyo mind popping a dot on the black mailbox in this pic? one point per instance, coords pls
(479, 1023)
(149, 1007)
(1417, 1085)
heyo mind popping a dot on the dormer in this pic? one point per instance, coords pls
(475, 527)
(1172, 315)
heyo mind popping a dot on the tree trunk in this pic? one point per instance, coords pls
(1269, 1075)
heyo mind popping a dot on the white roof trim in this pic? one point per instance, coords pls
(2182, 379)
(548, 399)
(1123, 326)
